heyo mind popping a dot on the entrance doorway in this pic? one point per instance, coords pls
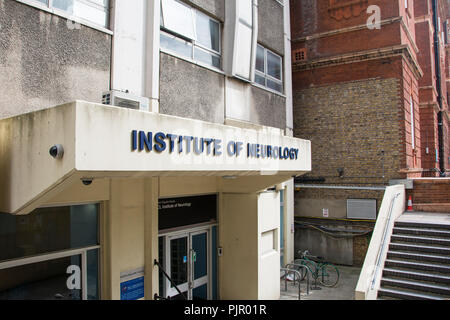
(187, 257)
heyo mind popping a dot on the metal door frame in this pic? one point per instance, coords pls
(188, 233)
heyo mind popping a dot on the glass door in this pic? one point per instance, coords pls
(187, 261)
(199, 265)
(177, 255)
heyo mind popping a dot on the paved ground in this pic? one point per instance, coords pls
(344, 290)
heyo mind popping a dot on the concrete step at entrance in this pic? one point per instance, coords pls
(420, 239)
(416, 256)
(418, 266)
(421, 225)
(438, 233)
(406, 294)
(419, 248)
(416, 275)
(421, 287)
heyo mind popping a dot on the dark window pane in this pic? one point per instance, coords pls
(94, 11)
(207, 32)
(83, 226)
(46, 280)
(260, 80)
(206, 57)
(274, 85)
(260, 59)
(178, 46)
(273, 65)
(92, 275)
(66, 5)
(48, 230)
(178, 261)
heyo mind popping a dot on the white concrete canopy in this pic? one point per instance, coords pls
(101, 141)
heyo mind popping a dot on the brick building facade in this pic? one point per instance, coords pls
(367, 97)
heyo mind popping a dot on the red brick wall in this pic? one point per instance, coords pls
(315, 16)
(428, 121)
(430, 191)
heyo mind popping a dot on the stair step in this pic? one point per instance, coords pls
(419, 286)
(422, 232)
(422, 225)
(403, 294)
(420, 248)
(416, 239)
(418, 266)
(416, 275)
(418, 257)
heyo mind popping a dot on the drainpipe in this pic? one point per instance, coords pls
(437, 61)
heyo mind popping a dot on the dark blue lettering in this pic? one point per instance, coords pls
(188, 143)
(208, 145)
(160, 144)
(133, 140)
(238, 148)
(198, 147)
(172, 138)
(145, 140)
(231, 148)
(217, 147)
(180, 144)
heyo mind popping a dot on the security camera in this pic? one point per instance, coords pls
(57, 151)
(86, 181)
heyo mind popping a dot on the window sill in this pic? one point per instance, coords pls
(64, 15)
(202, 65)
(268, 89)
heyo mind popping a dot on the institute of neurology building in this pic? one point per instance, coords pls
(146, 149)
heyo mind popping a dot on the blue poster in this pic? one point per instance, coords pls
(132, 289)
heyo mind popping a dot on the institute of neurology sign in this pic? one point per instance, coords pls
(160, 142)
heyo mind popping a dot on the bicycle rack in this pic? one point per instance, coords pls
(295, 272)
(307, 274)
(316, 287)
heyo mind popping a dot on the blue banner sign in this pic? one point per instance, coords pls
(132, 289)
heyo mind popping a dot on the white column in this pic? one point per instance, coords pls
(135, 49)
(151, 75)
(288, 67)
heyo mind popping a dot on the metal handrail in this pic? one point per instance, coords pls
(308, 271)
(381, 249)
(155, 262)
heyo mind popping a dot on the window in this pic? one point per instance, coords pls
(268, 70)
(94, 11)
(190, 33)
(52, 253)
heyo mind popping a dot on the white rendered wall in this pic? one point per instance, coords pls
(269, 246)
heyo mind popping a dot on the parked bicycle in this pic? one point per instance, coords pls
(325, 273)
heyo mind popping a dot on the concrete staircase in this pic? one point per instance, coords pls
(417, 266)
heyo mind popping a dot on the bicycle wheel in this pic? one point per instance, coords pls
(328, 275)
